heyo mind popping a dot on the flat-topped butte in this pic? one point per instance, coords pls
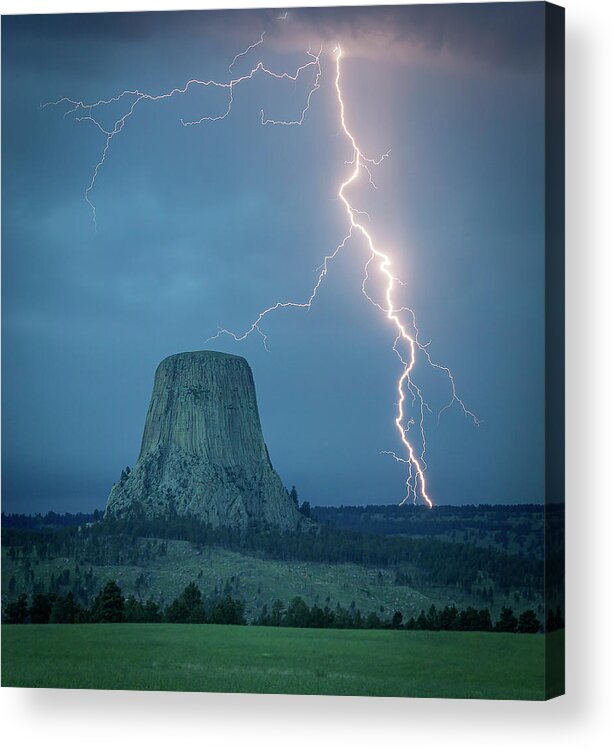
(203, 453)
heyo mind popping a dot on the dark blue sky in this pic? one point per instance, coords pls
(201, 227)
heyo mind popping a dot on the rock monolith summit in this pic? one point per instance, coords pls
(203, 453)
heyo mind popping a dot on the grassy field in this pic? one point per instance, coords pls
(226, 658)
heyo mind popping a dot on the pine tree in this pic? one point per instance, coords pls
(188, 607)
(65, 610)
(16, 613)
(373, 621)
(152, 611)
(528, 622)
(277, 613)
(297, 614)
(397, 621)
(109, 604)
(422, 622)
(507, 622)
(432, 618)
(40, 609)
(294, 495)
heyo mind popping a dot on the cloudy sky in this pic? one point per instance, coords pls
(204, 226)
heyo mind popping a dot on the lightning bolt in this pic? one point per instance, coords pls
(246, 51)
(406, 333)
(407, 345)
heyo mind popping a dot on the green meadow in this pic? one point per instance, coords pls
(226, 658)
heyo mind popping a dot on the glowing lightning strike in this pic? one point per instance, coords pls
(416, 465)
(406, 333)
(359, 161)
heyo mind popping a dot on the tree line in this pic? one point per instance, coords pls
(49, 519)
(110, 605)
(191, 606)
(299, 615)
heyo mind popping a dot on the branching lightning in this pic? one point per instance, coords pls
(378, 266)
(84, 111)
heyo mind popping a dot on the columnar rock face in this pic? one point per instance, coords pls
(203, 453)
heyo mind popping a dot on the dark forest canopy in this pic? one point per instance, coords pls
(516, 529)
(191, 606)
(512, 529)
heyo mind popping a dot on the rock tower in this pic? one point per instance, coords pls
(203, 453)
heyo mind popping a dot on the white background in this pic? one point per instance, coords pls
(96, 719)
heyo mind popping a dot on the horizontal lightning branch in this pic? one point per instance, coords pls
(88, 111)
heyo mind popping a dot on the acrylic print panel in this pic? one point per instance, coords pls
(283, 351)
